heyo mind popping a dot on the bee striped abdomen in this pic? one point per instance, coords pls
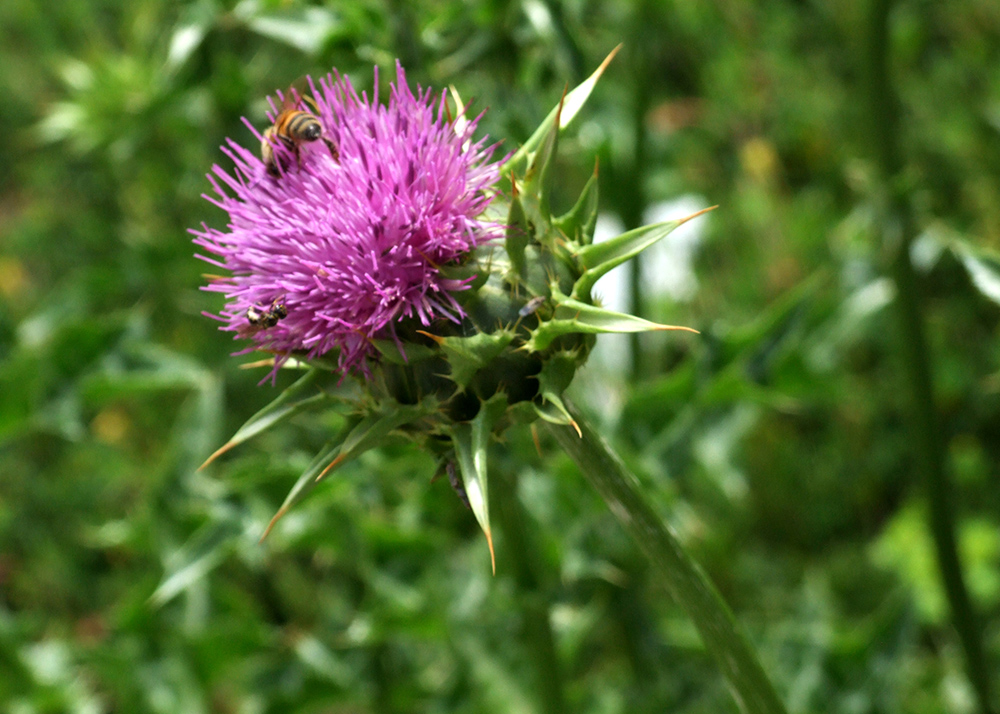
(292, 127)
(303, 126)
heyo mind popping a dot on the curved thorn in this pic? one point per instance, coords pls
(534, 437)
(696, 214)
(218, 452)
(439, 340)
(333, 464)
(269, 362)
(493, 559)
(281, 511)
(660, 328)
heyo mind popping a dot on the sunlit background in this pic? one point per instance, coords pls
(775, 443)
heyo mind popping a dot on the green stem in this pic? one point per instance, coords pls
(633, 198)
(536, 626)
(684, 579)
(928, 445)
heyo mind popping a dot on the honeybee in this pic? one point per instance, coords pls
(261, 319)
(292, 127)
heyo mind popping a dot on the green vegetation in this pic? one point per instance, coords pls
(816, 449)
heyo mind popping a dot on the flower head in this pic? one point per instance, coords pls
(373, 233)
(346, 237)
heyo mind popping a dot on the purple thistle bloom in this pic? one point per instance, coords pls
(351, 246)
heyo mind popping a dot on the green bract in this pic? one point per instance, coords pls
(530, 322)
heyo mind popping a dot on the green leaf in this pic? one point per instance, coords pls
(307, 481)
(357, 437)
(578, 223)
(771, 329)
(518, 234)
(555, 412)
(684, 579)
(195, 22)
(471, 440)
(304, 28)
(209, 545)
(468, 355)
(374, 429)
(389, 351)
(536, 185)
(567, 109)
(282, 408)
(599, 258)
(983, 267)
(575, 317)
(152, 368)
(555, 377)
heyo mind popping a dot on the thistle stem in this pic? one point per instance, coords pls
(536, 625)
(633, 198)
(929, 451)
(685, 581)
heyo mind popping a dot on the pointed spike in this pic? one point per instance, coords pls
(615, 251)
(330, 467)
(439, 340)
(538, 442)
(574, 316)
(684, 220)
(572, 101)
(218, 452)
(607, 60)
(471, 441)
(274, 519)
(303, 485)
(493, 557)
(269, 362)
(577, 97)
(278, 410)
(664, 328)
(357, 436)
(599, 258)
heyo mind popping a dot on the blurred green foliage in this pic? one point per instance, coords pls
(775, 444)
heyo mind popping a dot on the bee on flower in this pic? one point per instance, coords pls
(355, 244)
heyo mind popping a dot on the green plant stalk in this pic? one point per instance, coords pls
(633, 198)
(684, 579)
(536, 625)
(929, 449)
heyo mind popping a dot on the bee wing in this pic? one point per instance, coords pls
(290, 99)
(299, 90)
(313, 106)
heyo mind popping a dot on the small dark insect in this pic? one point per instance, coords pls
(531, 306)
(450, 468)
(260, 319)
(456, 483)
(292, 127)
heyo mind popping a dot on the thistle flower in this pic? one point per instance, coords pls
(460, 325)
(352, 244)
(375, 245)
